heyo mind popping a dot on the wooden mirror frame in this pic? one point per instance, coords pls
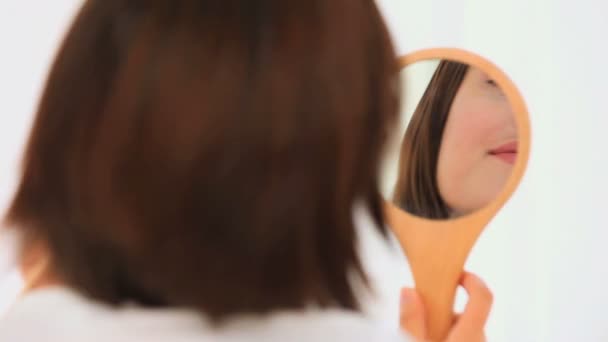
(438, 249)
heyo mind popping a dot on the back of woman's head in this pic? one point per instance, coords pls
(208, 153)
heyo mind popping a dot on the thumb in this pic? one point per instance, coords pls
(413, 314)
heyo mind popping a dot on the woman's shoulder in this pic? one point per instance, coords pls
(321, 325)
(61, 315)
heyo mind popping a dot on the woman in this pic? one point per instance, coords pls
(460, 146)
(192, 171)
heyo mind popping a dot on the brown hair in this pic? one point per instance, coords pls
(416, 190)
(208, 153)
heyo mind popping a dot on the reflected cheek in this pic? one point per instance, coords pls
(476, 121)
(453, 166)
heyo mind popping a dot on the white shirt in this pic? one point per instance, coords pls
(60, 315)
(11, 282)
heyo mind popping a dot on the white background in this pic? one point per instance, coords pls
(544, 254)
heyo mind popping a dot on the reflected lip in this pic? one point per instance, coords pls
(506, 152)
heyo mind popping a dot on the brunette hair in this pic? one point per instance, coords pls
(416, 190)
(208, 153)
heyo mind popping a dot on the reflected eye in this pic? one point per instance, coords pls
(492, 87)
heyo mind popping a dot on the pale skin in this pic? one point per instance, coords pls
(479, 145)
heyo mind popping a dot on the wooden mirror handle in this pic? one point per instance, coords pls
(436, 252)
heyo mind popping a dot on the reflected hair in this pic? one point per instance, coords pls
(416, 190)
(208, 154)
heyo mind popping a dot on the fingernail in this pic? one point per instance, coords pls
(406, 295)
(478, 279)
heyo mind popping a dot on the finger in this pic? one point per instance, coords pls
(456, 319)
(477, 310)
(413, 314)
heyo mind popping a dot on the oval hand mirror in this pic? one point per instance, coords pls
(459, 154)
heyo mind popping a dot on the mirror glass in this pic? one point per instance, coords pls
(457, 142)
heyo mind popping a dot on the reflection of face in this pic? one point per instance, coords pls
(478, 147)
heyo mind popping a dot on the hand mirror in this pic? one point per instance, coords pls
(459, 153)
